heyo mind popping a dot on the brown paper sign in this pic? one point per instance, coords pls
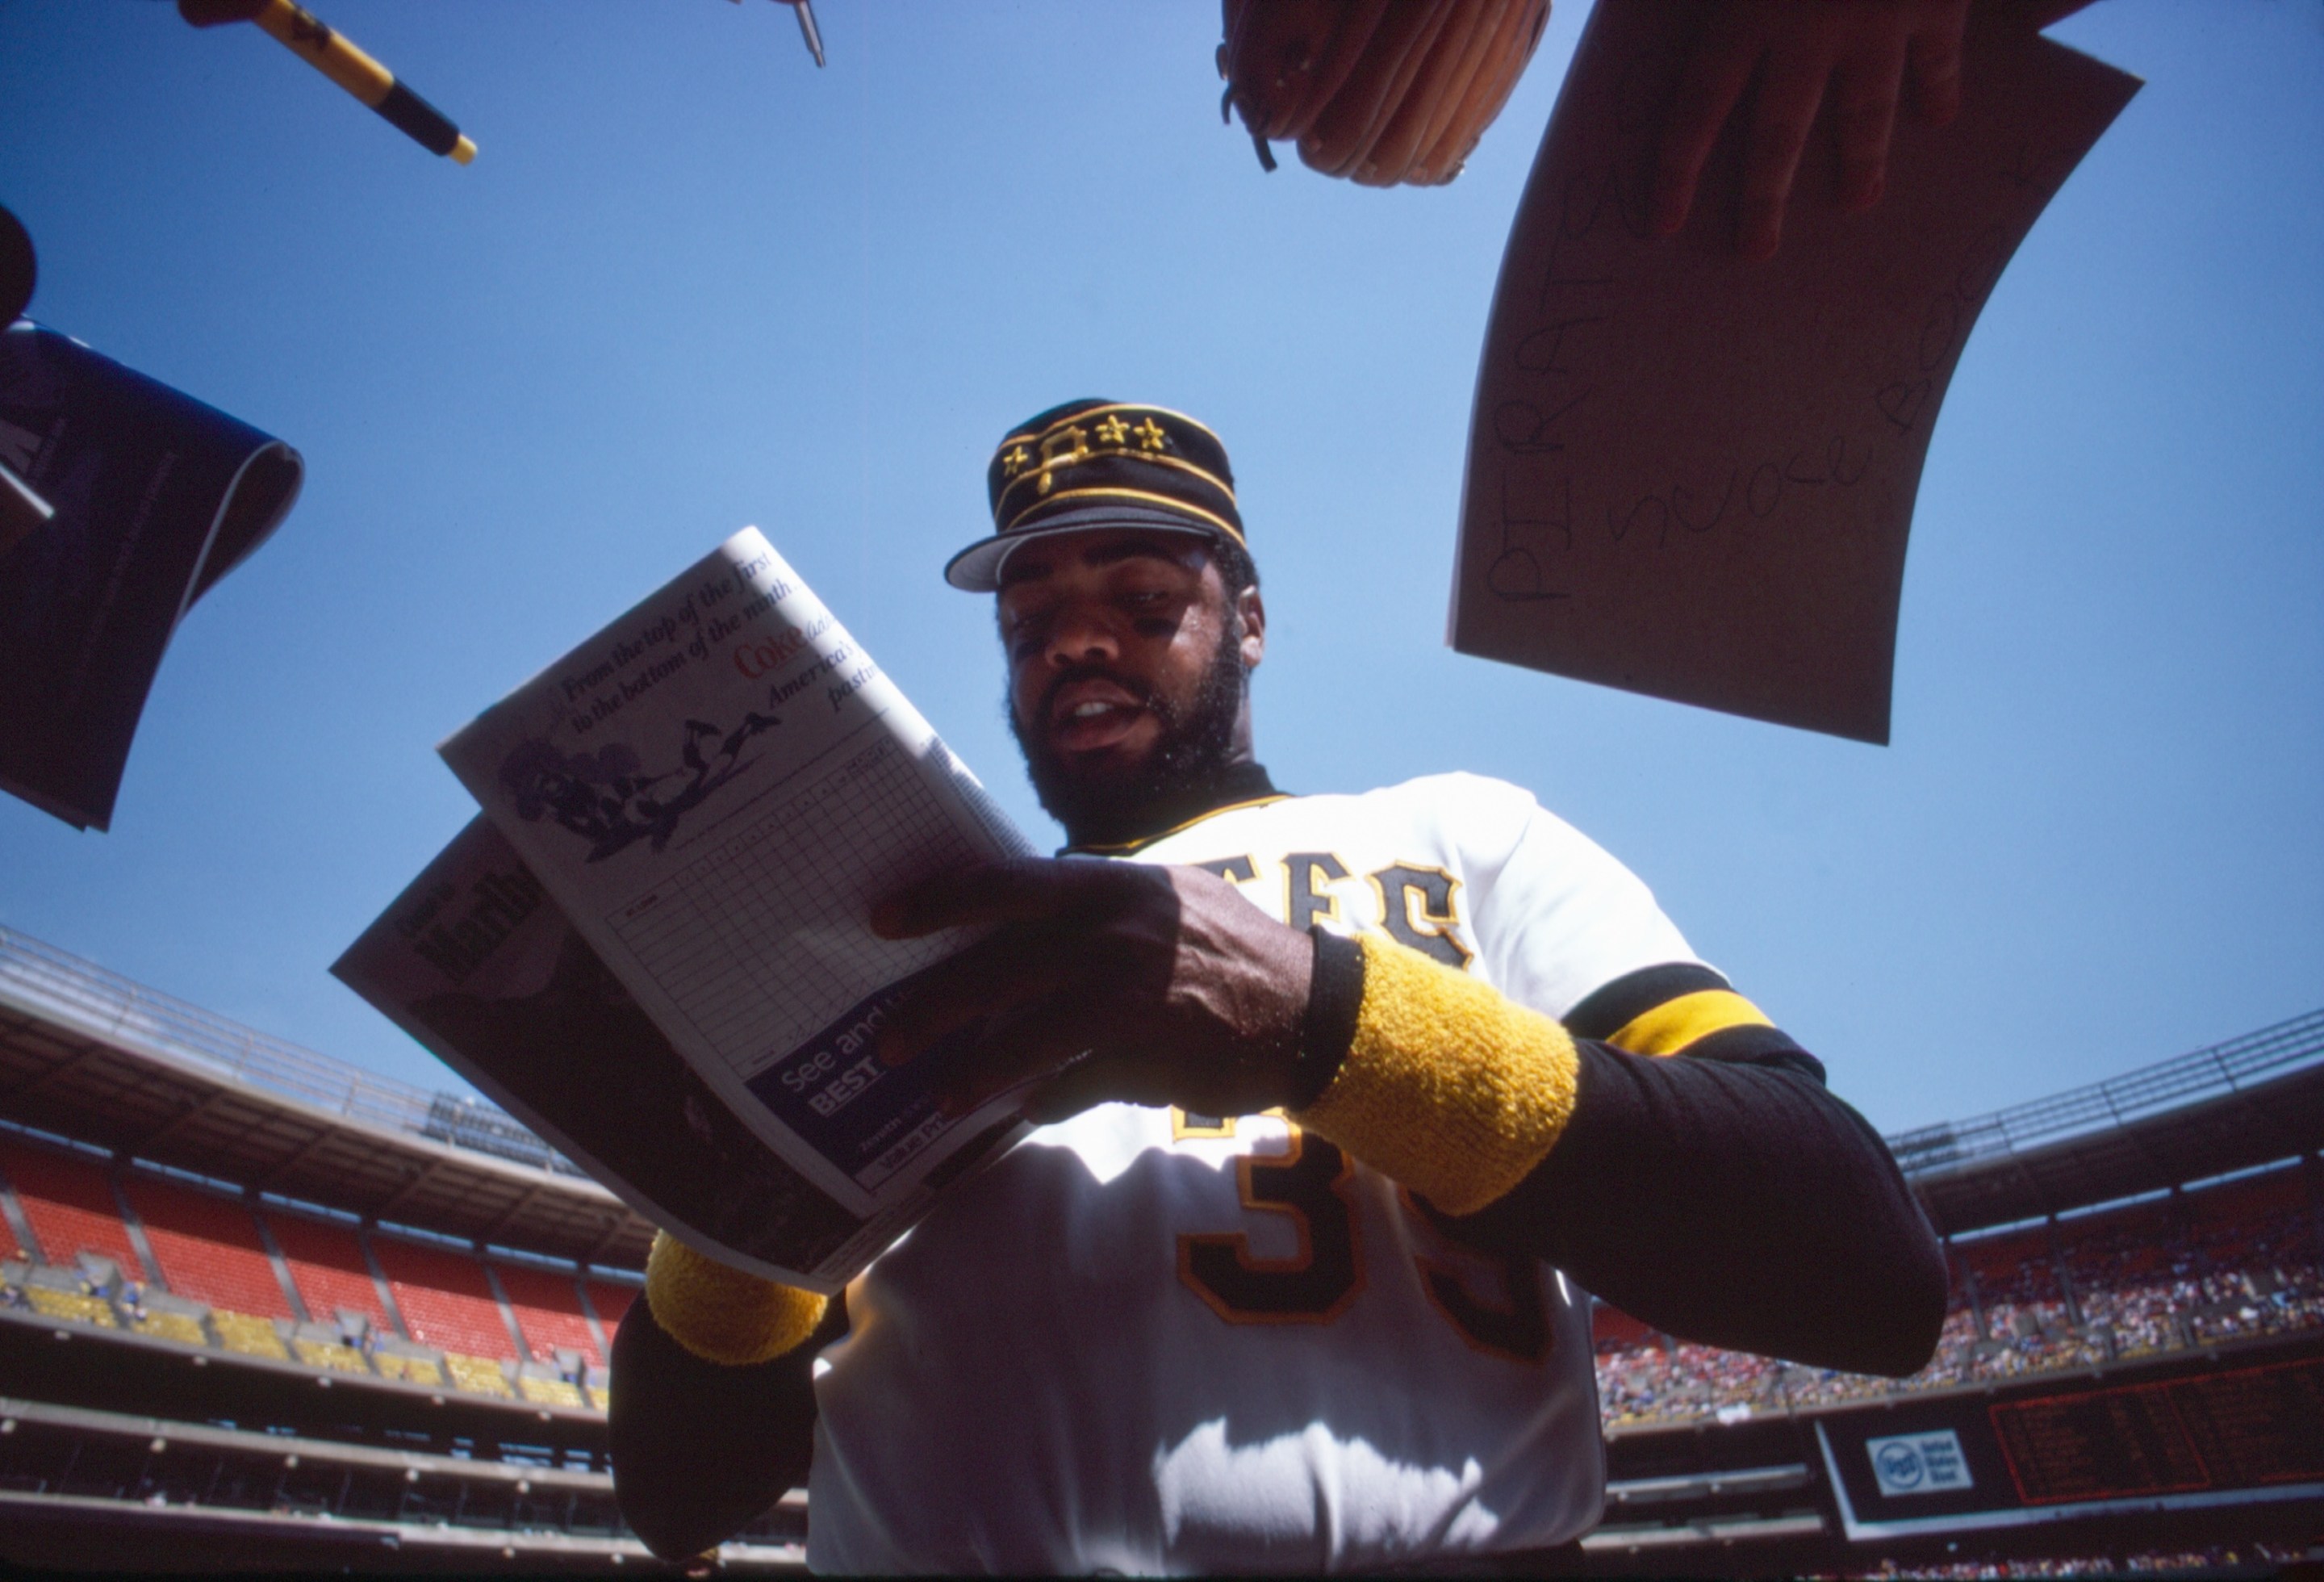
(1692, 476)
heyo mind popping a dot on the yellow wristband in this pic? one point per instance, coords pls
(1447, 1087)
(722, 1315)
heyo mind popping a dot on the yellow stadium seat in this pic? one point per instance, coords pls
(411, 1370)
(549, 1391)
(183, 1327)
(72, 1305)
(477, 1375)
(323, 1354)
(249, 1336)
(600, 1399)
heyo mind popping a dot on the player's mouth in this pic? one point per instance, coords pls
(1092, 714)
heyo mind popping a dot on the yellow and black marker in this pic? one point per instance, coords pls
(328, 51)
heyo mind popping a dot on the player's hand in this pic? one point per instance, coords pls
(1790, 55)
(1155, 986)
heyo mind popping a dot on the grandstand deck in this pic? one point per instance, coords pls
(445, 1300)
(2196, 1272)
(69, 1204)
(326, 1264)
(548, 1309)
(208, 1248)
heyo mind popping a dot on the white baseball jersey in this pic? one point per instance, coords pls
(1149, 1342)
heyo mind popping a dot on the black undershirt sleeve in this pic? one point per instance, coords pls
(700, 1449)
(1735, 1202)
(1723, 1195)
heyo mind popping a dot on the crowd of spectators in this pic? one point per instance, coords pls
(2192, 1269)
(2232, 1559)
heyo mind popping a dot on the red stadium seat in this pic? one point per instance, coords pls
(611, 1302)
(208, 1248)
(445, 1299)
(327, 1266)
(70, 1204)
(549, 1311)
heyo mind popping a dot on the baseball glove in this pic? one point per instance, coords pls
(1380, 91)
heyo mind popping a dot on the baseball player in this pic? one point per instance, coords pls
(1348, 1101)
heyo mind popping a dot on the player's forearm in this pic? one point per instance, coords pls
(701, 1447)
(1735, 1203)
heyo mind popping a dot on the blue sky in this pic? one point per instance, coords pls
(691, 283)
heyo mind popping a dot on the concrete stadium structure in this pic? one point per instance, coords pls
(263, 1308)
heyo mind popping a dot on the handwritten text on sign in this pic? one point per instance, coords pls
(1692, 475)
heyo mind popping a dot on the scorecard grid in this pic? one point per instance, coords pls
(756, 966)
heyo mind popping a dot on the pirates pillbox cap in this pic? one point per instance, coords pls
(1093, 463)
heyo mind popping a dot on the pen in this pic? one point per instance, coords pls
(329, 52)
(805, 11)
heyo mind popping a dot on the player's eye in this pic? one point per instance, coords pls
(1030, 636)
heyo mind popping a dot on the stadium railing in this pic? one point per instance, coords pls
(2221, 1068)
(106, 1005)
(284, 1493)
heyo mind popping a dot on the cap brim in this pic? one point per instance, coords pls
(977, 568)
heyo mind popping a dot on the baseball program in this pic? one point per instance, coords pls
(666, 909)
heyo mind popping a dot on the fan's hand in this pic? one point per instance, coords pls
(1788, 56)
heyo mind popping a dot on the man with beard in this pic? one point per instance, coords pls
(1347, 1103)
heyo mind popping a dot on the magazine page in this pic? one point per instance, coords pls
(717, 788)
(476, 962)
(155, 496)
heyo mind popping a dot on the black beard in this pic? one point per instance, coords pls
(1196, 748)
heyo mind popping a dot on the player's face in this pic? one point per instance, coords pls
(1123, 647)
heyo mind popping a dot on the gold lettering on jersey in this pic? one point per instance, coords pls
(1305, 899)
(1419, 903)
(1512, 1321)
(1184, 1126)
(1418, 907)
(1309, 1182)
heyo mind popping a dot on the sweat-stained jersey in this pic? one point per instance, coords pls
(1149, 1342)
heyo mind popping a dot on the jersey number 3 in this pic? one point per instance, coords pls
(1326, 1270)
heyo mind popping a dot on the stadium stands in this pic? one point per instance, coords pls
(208, 1248)
(450, 1320)
(397, 1308)
(327, 1266)
(548, 1309)
(445, 1299)
(2218, 1264)
(69, 1206)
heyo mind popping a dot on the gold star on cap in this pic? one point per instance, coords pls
(1086, 464)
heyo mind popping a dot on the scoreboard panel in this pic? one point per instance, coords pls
(2185, 1434)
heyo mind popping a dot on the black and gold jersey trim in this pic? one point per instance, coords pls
(1132, 847)
(1618, 1004)
(1677, 1008)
